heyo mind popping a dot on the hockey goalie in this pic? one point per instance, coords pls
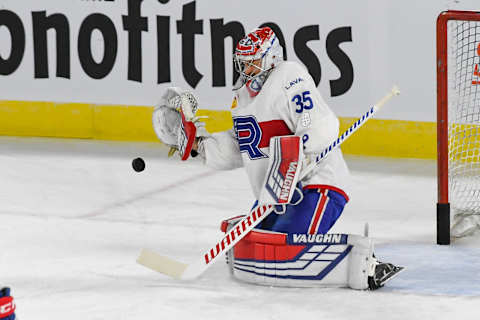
(280, 125)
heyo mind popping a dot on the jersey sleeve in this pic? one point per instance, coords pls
(221, 151)
(309, 115)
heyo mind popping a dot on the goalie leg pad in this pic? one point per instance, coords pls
(303, 260)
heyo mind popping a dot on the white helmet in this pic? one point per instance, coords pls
(261, 43)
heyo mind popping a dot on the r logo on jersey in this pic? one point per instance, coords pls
(249, 135)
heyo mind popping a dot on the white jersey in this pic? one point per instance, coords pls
(288, 104)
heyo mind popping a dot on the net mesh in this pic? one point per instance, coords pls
(464, 117)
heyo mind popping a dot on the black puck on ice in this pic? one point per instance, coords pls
(138, 164)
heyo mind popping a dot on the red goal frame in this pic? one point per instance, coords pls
(443, 205)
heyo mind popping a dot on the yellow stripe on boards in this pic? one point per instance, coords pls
(46, 119)
(392, 138)
(76, 120)
(127, 123)
(386, 138)
(215, 120)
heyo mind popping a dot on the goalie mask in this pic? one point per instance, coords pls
(255, 56)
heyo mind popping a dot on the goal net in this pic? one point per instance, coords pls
(459, 119)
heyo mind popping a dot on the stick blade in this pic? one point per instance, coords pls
(162, 264)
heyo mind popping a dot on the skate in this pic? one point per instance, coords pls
(384, 272)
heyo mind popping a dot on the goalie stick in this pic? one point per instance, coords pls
(183, 271)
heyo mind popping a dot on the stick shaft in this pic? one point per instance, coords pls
(183, 271)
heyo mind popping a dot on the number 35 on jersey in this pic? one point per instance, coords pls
(303, 101)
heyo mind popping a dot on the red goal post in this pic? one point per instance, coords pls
(457, 129)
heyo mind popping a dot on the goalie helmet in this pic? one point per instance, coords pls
(260, 44)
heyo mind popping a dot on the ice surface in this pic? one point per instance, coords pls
(74, 216)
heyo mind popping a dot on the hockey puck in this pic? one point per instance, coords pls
(138, 164)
